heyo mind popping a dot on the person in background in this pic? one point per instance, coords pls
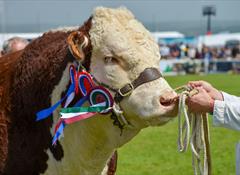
(235, 51)
(207, 56)
(13, 44)
(164, 51)
(224, 107)
(191, 52)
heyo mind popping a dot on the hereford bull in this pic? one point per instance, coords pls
(116, 49)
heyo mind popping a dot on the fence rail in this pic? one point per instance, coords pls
(187, 65)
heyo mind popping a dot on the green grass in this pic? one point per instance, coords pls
(154, 150)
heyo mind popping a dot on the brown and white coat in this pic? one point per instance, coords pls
(36, 77)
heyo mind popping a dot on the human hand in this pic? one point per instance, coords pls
(213, 92)
(201, 102)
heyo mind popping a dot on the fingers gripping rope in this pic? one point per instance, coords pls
(197, 124)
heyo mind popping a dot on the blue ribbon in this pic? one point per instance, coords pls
(58, 132)
(81, 101)
(62, 125)
(46, 112)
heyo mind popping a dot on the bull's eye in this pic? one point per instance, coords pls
(109, 60)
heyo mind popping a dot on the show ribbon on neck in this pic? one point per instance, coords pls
(101, 102)
(99, 98)
(80, 81)
(69, 96)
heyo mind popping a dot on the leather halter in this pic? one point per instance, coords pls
(148, 75)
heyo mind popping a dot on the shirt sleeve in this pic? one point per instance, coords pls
(227, 113)
(230, 98)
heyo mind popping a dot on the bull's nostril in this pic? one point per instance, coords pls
(168, 98)
(165, 101)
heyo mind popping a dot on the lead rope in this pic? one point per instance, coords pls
(197, 125)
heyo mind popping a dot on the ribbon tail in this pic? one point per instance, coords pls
(69, 99)
(58, 133)
(61, 124)
(79, 117)
(46, 112)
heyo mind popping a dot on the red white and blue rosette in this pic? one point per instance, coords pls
(99, 98)
(101, 102)
(99, 95)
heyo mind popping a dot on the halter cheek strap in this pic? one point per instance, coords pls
(148, 75)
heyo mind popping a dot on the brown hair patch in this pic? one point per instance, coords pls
(27, 80)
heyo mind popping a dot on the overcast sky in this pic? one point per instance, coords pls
(183, 15)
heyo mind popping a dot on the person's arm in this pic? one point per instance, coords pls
(225, 107)
(226, 113)
(230, 98)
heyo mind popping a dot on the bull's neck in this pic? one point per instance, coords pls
(87, 144)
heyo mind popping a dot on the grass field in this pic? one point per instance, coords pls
(154, 150)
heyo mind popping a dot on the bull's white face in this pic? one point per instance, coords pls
(122, 49)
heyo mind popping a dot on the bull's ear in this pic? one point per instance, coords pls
(77, 41)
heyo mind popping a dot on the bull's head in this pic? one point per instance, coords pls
(121, 49)
(116, 49)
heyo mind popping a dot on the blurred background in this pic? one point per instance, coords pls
(198, 39)
(194, 36)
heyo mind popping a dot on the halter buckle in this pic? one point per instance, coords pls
(127, 93)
